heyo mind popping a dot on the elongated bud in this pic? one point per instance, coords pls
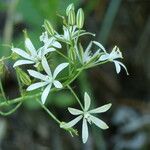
(25, 79)
(80, 52)
(71, 17)
(70, 7)
(80, 18)
(48, 27)
(2, 66)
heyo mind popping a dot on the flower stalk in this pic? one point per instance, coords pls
(48, 111)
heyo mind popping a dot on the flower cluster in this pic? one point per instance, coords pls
(76, 58)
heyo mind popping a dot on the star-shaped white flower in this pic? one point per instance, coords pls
(33, 56)
(50, 41)
(71, 33)
(46, 80)
(88, 56)
(115, 54)
(87, 116)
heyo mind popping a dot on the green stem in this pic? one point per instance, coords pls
(5, 58)
(48, 111)
(75, 97)
(75, 76)
(103, 62)
(17, 100)
(68, 52)
(77, 37)
(25, 97)
(87, 67)
(2, 90)
(11, 111)
(62, 55)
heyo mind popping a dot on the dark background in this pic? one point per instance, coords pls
(125, 23)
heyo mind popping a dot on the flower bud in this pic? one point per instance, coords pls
(2, 66)
(48, 27)
(14, 56)
(71, 17)
(25, 79)
(70, 7)
(80, 18)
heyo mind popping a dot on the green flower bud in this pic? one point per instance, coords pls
(39, 66)
(24, 78)
(81, 51)
(70, 7)
(71, 17)
(48, 27)
(14, 56)
(80, 18)
(2, 67)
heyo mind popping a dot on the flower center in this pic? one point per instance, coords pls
(87, 117)
(49, 79)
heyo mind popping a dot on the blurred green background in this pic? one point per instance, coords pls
(125, 23)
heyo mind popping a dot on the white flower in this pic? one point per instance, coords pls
(31, 56)
(71, 33)
(46, 80)
(87, 116)
(87, 56)
(115, 54)
(50, 42)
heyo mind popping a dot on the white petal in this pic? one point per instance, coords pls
(101, 124)
(88, 47)
(36, 86)
(74, 111)
(121, 64)
(56, 44)
(85, 132)
(117, 66)
(22, 62)
(30, 47)
(72, 122)
(40, 52)
(116, 53)
(47, 50)
(101, 109)
(104, 57)
(59, 68)
(87, 101)
(45, 93)
(21, 53)
(44, 37)
(46, 67)
(37, 75)
(99, 45)
(57, 84)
